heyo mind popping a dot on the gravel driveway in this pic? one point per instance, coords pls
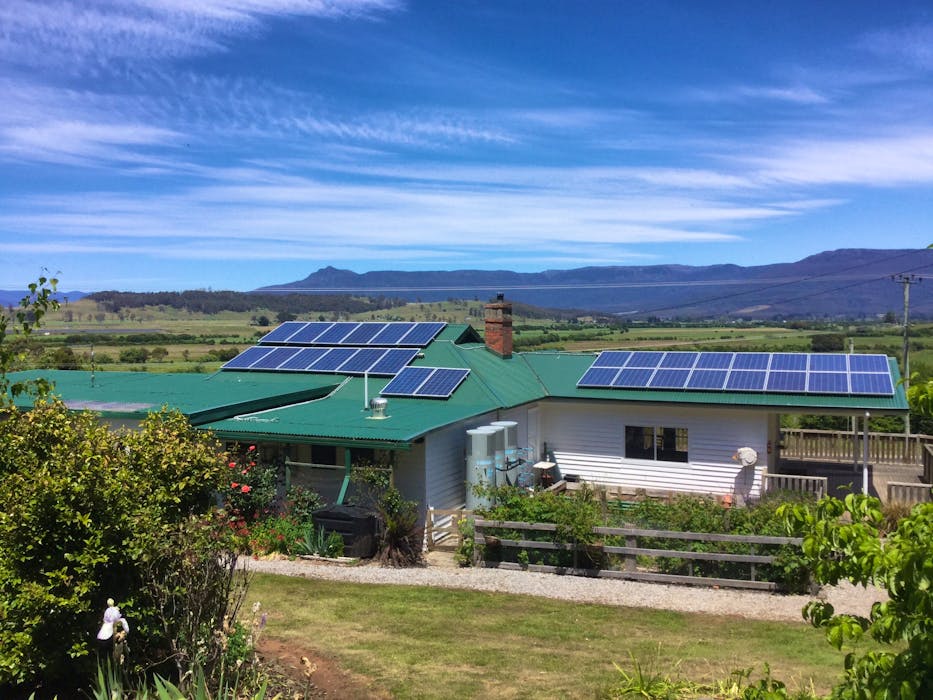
(441, 572)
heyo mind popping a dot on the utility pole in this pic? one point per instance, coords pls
(906, 281)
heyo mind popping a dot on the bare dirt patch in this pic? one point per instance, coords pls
(328, 680)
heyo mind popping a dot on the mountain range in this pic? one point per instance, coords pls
(846, 283)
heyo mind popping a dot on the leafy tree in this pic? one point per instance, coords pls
(843, 541)
(159, 353)
(828, 342)
(87, 512)
(23, 320)
(134, 355)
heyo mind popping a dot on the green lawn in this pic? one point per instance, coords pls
(440, 643)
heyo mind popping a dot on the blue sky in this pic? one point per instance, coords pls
(177, 144)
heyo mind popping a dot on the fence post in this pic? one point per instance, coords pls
(630, 559)
(430, 533)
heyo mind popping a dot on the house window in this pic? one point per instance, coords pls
(650, 442)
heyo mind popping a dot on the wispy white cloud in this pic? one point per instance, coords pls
(80, 142)
(881, 161)
(98, 32)
(911, 45)
(794, 94)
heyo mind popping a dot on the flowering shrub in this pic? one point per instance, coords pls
(281, 534)
(260, 523)
(251, 490)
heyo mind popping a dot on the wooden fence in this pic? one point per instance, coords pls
(909, 493)
(629, 553)
(815, 485)
(845, 446)
(928, 464)
(442, 527)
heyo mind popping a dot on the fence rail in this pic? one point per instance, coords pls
(846, 446)
(630, 551)
(909, 493)
(816, 485)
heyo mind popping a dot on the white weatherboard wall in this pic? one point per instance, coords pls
(445, 464)
(588, 439)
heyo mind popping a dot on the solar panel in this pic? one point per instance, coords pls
(744, 380)
(309, 333)
(828, 383)
(829, 363)
(362, 360)
(406, 382)
(679, 360)
(303, 359)
(643, 358)
(273, 359)
(873, 384)
(421, 334)
(442, 382)
(669, 379)
(612, 358)
(282, 333)
(787, 381)
(363, 334)
(714, 360)
(751, 360)
(393, 360)
(335, 334)
(868, 363)
(789, 361)
(598, 376)
(633, 378)
(707, 379)
(391, 334)
(247, 358)
(333, 359)
(784, 372)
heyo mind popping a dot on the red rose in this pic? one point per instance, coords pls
(245, 488)
(233, 484)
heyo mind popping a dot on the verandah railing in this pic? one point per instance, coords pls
(597, 560)
(817, 486)
(845, 446)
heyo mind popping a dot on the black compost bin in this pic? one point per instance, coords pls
(356, 525)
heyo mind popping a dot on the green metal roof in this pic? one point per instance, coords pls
(298, 407)
(493, 383)
(560, 373)
(202, 397)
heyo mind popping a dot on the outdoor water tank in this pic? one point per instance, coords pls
(356, 525)
(498, 438)
(508, 471)
(480, 467)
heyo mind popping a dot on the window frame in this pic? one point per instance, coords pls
(653, 439)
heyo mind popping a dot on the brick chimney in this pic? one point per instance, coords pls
(499, 326)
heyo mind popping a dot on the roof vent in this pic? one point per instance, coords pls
(378, 406)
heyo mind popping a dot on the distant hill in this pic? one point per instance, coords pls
(11, 297)
(849, 283)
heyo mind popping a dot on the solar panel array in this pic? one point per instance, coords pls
(425, 382)
(779, 372)
(345, 360)
(390, 334)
